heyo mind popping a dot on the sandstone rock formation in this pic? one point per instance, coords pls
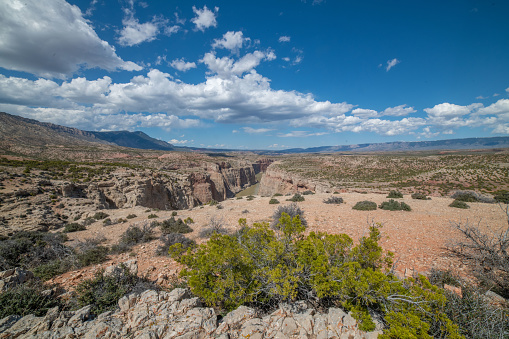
(173, 314)
(44, 203)
(276, 180)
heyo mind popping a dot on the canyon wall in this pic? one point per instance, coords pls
(221, 181)
(276, 180)
(50, 204)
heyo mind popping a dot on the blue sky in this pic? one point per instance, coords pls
(260, 74)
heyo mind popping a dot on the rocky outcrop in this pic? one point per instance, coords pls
(262, 165)
(29, 213)
(14, 277)
(276, 180)
(221, 181)
(173, 314)
(126, 192)
(49, 204)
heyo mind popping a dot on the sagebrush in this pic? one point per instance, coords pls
(264, 267)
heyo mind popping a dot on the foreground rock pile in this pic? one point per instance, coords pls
(172, 314)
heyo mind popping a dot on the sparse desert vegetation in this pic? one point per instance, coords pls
(431, 173)
(87, 237)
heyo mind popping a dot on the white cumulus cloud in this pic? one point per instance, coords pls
(204, 18)
(51, 38)
(180, 142)
(231, 40)
(364, 113)
(182, 65)
(448, 110)
(134, 33)
(398, 111)
(226, 67)
(284, 38)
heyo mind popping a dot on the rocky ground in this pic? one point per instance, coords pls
(173, 314)
(418, 238)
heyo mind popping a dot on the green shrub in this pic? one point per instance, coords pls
(136, 235)
(152, 216)
(502, 197)
(296, 198)
(174, 226)
(172, 239)
(131, 216)
(334, 200)
(73, 227)
(308, 192)
(26, 299)
(53, 268)
(104, 291)
(219, 207)
(395, 195)
(88, 221)
(93, 255)
(250, 197)
(420, 196)
(471, 196)
(277, 195)
(459, 204)
(273, 201)
(292, 210)
(262, 267)
(393, 205)
(189, 220)
(365, 206)
(100, 215)
(30, 249)
(174, 213)
(107, 222)
(213, 202)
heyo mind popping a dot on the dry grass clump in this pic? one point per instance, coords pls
(215, 225)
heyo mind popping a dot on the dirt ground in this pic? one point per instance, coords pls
(418, 238)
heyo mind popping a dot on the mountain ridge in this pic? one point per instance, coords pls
(24, 131)
(19, 130)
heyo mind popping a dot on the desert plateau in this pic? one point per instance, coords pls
(64, 223)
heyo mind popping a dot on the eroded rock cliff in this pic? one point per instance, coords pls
(276, 180)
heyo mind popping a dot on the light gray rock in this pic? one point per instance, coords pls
(320, 329)
(80, 316)
(252, 328)
(14, 277)
(290, 327)
(176, 295)
(170, 315)
(23, 325)
(8, 321)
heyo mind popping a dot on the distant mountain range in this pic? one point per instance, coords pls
(22, 131)
(450, 144)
